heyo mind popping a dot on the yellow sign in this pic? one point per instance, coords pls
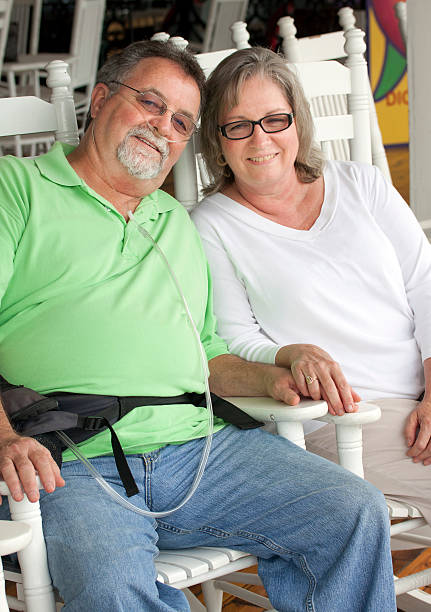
(387, 66)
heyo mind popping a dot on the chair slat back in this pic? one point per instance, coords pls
(222, 14)
(31, 115)
(5, 13)
(347, 46)
(85, 42)
(27, 14)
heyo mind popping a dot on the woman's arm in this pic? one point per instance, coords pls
(237, 324)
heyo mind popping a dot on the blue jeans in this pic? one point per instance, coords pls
(321, 534)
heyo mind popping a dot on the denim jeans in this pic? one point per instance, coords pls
(321, 533)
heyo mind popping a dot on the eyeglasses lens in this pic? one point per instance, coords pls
(155, 106)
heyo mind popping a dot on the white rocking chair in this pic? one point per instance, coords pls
(333, 45)
(23, 76)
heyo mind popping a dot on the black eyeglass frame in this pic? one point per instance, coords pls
(222, 128)
(164, 107)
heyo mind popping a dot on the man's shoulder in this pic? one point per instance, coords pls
(16, 164)
(16, 174)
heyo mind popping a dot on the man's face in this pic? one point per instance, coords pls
(145, 144)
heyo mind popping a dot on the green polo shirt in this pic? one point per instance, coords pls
(88, 306)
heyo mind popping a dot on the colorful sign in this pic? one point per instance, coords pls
(387, 66)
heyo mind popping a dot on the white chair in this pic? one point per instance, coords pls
(14, 536)
(82, 58)
(222, 14)
(333, 45)
(26, 14)
(30, 115)
(5, 13)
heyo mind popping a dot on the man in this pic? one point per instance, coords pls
(88, 306)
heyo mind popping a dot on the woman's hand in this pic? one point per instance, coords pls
(418, 433)
(318, 376)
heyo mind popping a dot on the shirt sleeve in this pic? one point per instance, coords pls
(13, 218)
(235, 319)
(399, 224)
(212, 343)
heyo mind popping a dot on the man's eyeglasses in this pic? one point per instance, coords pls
(237, 130)
(154, 105)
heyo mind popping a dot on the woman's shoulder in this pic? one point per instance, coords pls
(211, 207)
(350, 169)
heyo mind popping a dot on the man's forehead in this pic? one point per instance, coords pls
(157, 70)
(168, 79)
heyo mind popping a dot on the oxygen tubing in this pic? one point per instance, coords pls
(207, 446)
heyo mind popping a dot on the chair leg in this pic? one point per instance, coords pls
(194, 603)
(213, 597)
(39, 594)
(414, 601)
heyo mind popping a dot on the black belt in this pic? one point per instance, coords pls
(95, 413)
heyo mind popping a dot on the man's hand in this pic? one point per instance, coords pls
(231, 375)
(20, 459)
(418, 433)
(281, 385)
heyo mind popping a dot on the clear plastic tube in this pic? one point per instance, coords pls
(207, 445)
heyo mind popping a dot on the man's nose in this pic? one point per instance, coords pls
(162, 123)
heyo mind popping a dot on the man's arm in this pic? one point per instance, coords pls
(20, 458)
(233, 376)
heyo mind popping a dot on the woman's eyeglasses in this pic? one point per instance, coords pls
(237, 130)
(154, 105)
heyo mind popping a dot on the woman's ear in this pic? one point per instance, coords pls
(100, 94)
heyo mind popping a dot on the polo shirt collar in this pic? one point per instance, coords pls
(55, 167)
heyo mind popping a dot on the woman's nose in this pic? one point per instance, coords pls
(259, 133)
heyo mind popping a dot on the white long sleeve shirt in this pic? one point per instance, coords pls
(357, 284)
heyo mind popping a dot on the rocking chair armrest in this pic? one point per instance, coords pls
(4, 489)
(288, 419)
(289, 422)
(367, 413)
(269, 410)
(349, 434)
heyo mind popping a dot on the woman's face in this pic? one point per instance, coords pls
(262, 161)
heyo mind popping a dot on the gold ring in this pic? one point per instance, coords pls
(310, 379)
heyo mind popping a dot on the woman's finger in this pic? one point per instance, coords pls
(299, 379)
(313, 385)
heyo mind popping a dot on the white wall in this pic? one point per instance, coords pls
(419, 83)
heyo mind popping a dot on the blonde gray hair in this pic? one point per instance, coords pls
(222, 93)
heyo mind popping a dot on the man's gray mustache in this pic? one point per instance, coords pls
(158, 141)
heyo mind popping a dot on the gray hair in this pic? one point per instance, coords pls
(222, 92)
(119, 65)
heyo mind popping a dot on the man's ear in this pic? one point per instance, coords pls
(100, 94)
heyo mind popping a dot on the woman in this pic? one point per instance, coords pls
(307, 254)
